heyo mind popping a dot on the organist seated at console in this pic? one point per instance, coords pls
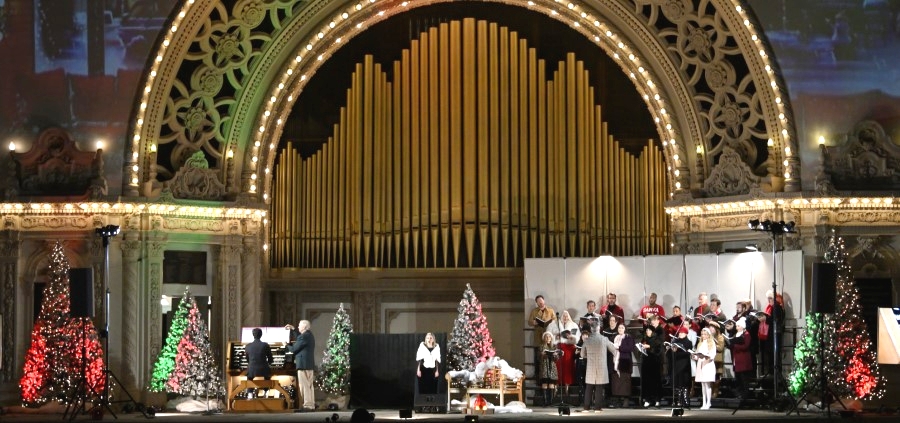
(261, 353)
(259, 357)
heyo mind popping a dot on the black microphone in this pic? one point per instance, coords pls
(557, 314)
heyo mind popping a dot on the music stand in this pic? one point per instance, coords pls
(106, 233)
(676, 411)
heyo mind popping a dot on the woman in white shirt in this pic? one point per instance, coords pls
(705, 355)
(428, 364)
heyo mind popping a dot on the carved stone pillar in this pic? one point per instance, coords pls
(155, 247)
(230, 288)
(9, 254)
(132, 334)
(251, 306)
(366, 312)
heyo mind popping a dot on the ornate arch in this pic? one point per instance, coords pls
(227, 73)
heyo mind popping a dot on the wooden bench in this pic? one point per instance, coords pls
(494, 383)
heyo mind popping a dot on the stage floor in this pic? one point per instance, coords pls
(537, 415)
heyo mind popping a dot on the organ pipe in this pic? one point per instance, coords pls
(473, 154)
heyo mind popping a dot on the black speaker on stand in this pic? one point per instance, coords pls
(824, 287)
(81, 292)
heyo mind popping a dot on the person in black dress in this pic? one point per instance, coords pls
(651, 364)
(428, 365)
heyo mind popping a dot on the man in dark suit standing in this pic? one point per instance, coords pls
(259, 357)
(304, 348)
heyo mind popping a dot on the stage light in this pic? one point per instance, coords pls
(677, 412)
(752, 247)
(565, 411)
(775, 229)
(406, 413)
(108, 231)
(471, 418)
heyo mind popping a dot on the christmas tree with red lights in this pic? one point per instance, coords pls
(470, 342)
(195, 373)
(65, 351)
(851, 364)
(165, 361)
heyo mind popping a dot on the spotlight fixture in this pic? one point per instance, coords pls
(108, 231)
(772, 227)
(406, 413)
(471, 419)
(677, 412)
(752, 247)
(565, 411)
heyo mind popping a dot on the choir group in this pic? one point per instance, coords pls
(598, 352)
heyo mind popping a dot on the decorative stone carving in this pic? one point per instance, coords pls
(55, 167)
(195, 180)
(867, 160)
(731, 176)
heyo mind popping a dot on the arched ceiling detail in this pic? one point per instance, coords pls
(226, 76)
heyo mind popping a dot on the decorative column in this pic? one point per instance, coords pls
(9, 254)
(132, 334)
(251, 288)
(230, 288)
(152, 287)
(366, 312)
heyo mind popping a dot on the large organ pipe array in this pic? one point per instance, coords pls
(470, 157)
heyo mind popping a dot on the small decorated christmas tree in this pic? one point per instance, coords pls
(195, 373)
(334, 374)
(851, 364)
(470, 341)
(165, 362)
(63, 349)
(806, 371)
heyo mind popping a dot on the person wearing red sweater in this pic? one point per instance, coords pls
(740, 356)
(651, 309)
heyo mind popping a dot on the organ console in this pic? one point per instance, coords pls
(275, 394)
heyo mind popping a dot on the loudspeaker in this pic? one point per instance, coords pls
(430, 403)
(824, 290)
(81, 292)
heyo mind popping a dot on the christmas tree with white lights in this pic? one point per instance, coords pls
(851, 364)
(195, 373)
(63, 349)
(165, 361)
(334, 374)
(470, 342)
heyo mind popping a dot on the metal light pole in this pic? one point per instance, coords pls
(106, 233)
(775, 229)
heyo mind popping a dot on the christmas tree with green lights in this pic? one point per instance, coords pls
(64, 349)
(165, 361)
(470, 341)
(806, 370)
(851, 364)
(196, 373)
(334, 374)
